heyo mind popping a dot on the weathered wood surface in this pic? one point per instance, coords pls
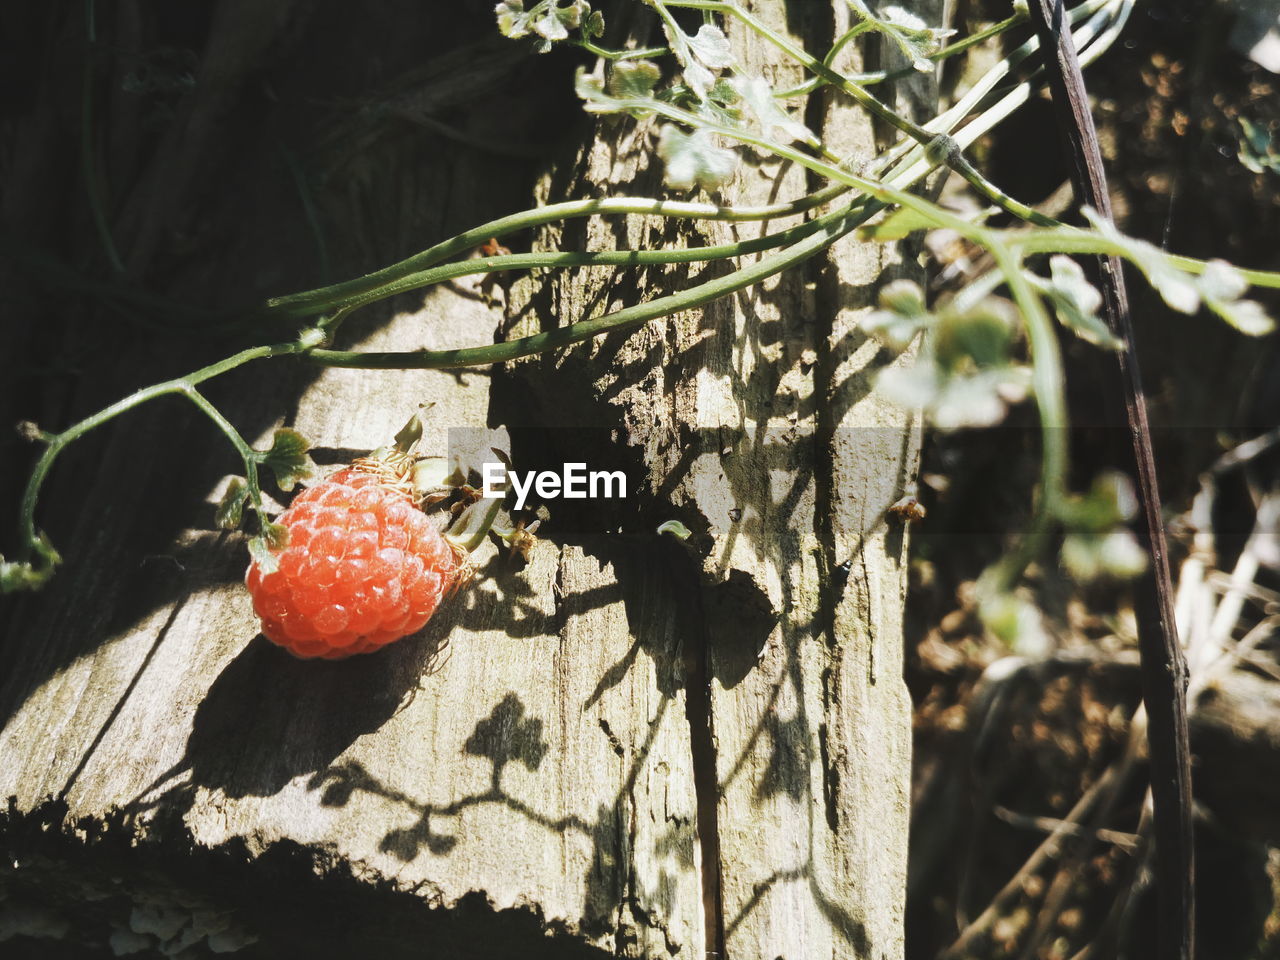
(755, 423)
(626, 748)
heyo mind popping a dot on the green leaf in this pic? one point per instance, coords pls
(551, 27)
(898, 224)
(954, 400)
(231, 508)
(693, 159)
(1247, 316)
(593, 26)
(288, 458)
(980, 336)
(1175, 287)
(901, 316)
(907, 31)
(1218, 288)
(1093, 556)
(547, 20)
(1076, 303)
(676, 529)
(596, 99)
(513, 21)
(759, 98)
(1221, 286)
(711, 47)
(1016, 622)
(978, 399)
(633, 79)
(702, 56)
(1110, 501)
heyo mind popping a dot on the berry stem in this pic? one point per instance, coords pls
(31, 539)
(604, 258)
(850, 216)
(476, 537)
(312, 302)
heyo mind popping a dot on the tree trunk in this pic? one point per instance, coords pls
(632, 746)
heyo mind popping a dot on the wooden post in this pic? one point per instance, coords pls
(630, 747)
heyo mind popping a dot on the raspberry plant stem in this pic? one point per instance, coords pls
(604, 258)
(624, 319)
(55, 443)
(314, 302)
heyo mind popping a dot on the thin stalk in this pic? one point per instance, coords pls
(91, 184)
(603, 258)
(313, 302)
(625, 319)
(1047, 385)
(619, 56)
(247, 453)
(882, 76)
(57, 442)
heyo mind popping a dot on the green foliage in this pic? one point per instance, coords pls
(1076, 303)
(912, 36)
(1219, 287)
(702, 55)
(28, 574)
(632, 80)
(548, 21)
(230, 512)
(288, 459)
(1097, 545)
(965, 374)
(693, 159)
(1258, 150)
(976, 353)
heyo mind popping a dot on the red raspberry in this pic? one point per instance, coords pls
(363, 567)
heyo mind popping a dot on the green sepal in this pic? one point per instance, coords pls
(262, 556)
(901, 223)
(275, 534)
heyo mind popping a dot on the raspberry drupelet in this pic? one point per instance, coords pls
(363, 567)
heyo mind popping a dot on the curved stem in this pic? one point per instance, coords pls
(247, 453)
(56, 443)
(619, 55)
(326, 298)
(1047, 383)
(603, 258)
(619, 320)
(87, 170)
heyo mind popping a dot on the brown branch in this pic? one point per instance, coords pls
(1164, 671)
